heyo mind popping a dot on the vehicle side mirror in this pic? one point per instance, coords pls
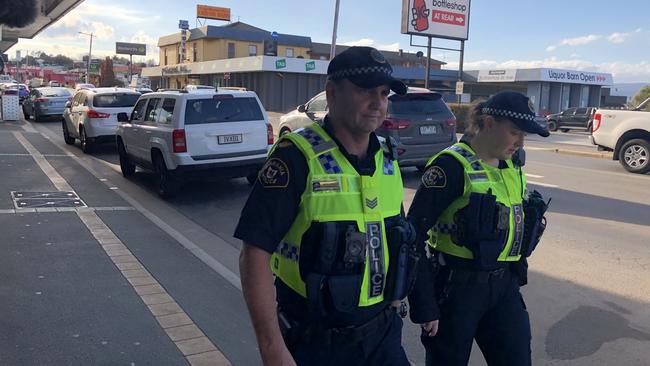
(122, 117)
(67, 105)
(301, 108)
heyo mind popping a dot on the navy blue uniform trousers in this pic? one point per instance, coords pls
(492, 312)
(383, 348)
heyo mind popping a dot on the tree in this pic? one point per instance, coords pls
(642, 95)
(106, 74)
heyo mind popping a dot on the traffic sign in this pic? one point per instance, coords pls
(459, 87)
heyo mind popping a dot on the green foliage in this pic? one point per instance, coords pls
(640, 96)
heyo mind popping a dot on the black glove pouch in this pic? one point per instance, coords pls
(345, 291)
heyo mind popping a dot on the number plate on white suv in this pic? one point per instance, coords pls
(230, 139)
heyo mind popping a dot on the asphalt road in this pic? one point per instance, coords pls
(589, 289)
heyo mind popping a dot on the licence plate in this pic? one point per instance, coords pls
(427, 130)
(230, 139)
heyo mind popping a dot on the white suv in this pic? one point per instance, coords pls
(200, 133)
(91, 115)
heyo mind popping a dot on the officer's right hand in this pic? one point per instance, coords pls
(430, 329)
(277, 355)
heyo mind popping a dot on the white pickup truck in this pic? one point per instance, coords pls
(627, 134)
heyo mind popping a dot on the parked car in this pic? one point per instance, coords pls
(200, 133)
(627, 134)
(572, 118)
(23, 92)
(46, 103)
(420, 122)
(54, 83)
(91, 115)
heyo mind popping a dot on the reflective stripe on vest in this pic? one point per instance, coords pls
(336, 192)
(508, 185)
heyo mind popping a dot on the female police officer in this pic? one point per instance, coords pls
(321, 213)
(469, 209)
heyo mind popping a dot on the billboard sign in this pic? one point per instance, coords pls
(139, 49)
(437, 18)
(212, 12)
(502, 75)
(576, 77)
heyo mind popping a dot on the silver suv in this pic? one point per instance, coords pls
(194, 134)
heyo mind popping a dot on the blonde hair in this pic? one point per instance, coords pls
(477, 118)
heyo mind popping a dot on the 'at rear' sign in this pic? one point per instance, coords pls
(436, 18)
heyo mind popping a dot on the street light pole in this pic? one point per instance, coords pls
(90, 51)
(336, 23)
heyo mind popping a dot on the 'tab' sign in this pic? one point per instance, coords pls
(437, 18)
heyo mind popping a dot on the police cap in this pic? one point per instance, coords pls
(518, 108)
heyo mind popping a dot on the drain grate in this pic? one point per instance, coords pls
(46, 199)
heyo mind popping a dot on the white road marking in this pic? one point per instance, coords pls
(542, 184)
(528, 175)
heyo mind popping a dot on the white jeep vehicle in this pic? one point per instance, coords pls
(91, 115)
(194, 134)
(627, 134)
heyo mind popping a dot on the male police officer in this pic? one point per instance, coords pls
(472, 206)
(320, 214)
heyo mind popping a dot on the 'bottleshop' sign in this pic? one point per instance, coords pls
(575, 77)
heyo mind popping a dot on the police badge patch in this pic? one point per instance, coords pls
(274, 174)
(434, 177)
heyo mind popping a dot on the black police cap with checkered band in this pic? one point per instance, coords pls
(365, 67)
(517, 108)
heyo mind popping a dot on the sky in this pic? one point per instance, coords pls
(598, 35)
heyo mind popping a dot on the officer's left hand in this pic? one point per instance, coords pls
(430, 328)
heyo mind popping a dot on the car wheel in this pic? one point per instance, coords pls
(284, 131)
(86, 143)
(126, 165)
(552, 125)
(165, 184)
(565, 130)
(635, 156)
(66, 134)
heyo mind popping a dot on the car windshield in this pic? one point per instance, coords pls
(115, 100)
(424, 103)
(222, 109)
(55, 92)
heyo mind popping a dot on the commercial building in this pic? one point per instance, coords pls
(284, 70)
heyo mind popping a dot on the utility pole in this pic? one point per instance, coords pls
(90, 51)
(336, 23)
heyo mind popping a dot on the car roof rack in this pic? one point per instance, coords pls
(172, 90)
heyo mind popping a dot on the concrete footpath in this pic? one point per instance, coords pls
(86, 278)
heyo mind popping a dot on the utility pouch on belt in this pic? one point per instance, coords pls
(315, 279)
(336, 276)
(483, 228)
(534, 221)
(403, 260)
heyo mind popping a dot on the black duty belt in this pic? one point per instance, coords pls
(352, 334)
(472, 276)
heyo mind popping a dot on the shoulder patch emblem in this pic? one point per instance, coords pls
(434, 177)
(274, 174)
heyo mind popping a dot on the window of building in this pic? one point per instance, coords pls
(252, 50)
(231, 50)
(165, 63)
(194, 52)
(289, 52)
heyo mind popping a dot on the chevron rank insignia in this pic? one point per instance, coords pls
(371, 203)
(434, 177)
